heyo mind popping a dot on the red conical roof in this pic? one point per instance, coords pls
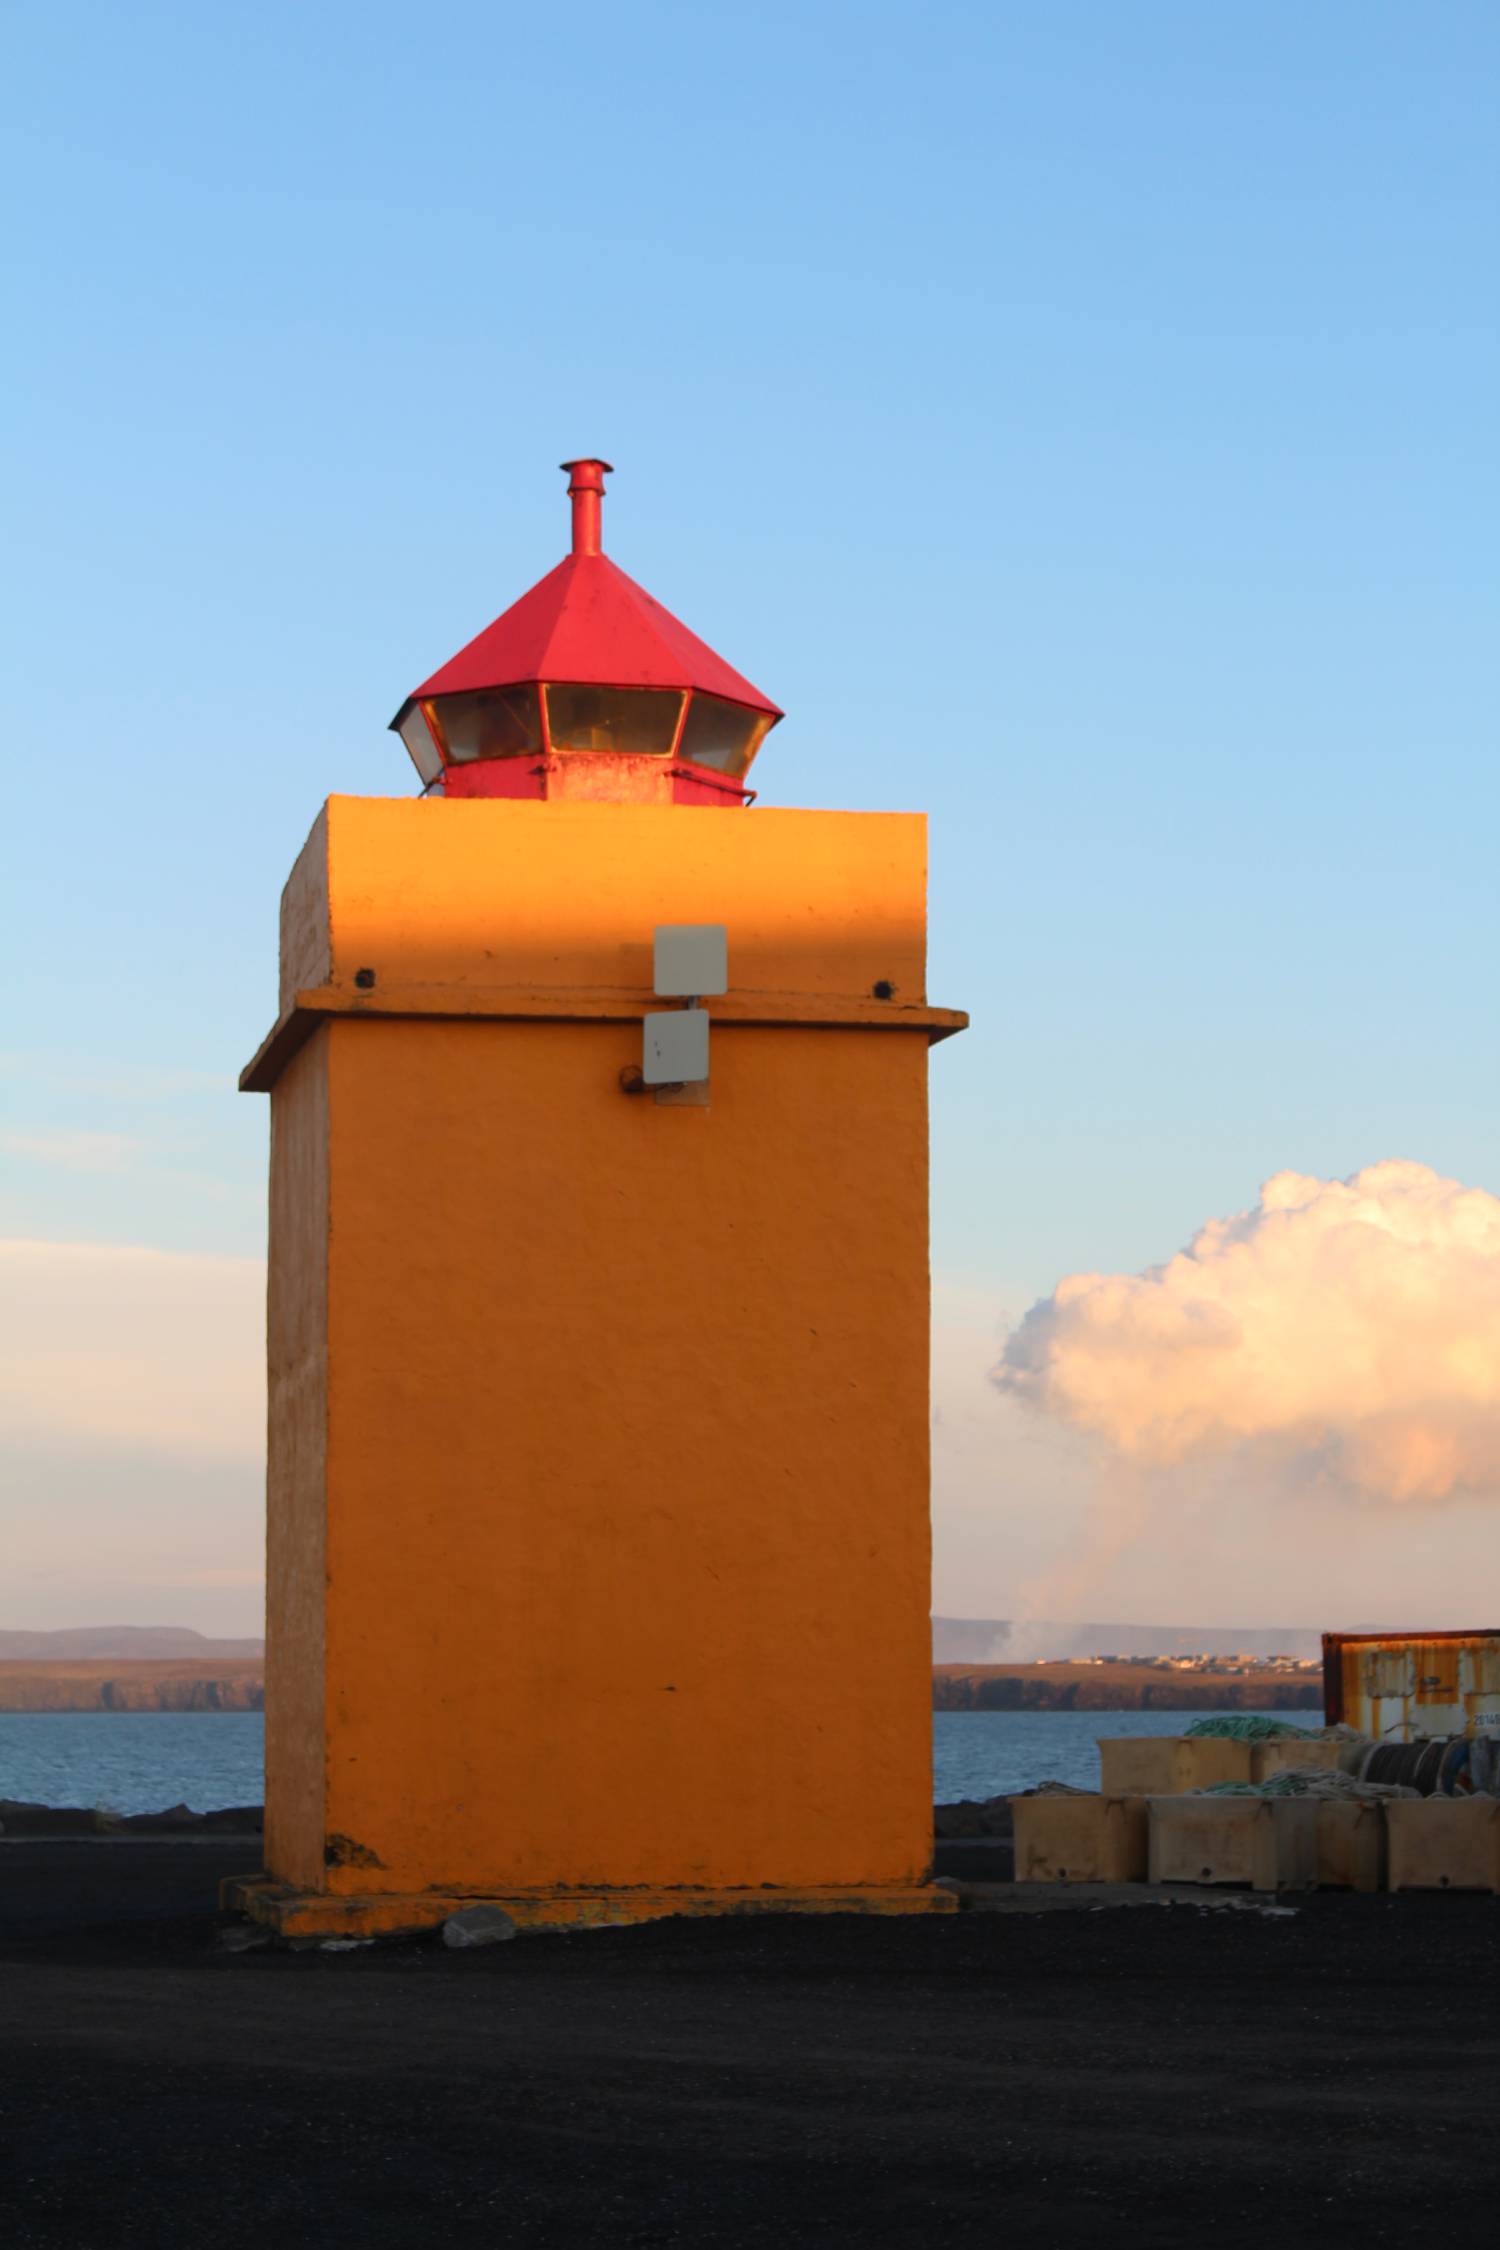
(587, 622)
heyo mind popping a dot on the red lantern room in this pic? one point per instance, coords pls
(586, 687)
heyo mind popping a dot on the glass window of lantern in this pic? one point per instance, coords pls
(422, 748)
(640, 721)
(491, 723)
(723, 736)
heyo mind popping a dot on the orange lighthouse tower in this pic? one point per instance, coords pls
(598, 1313)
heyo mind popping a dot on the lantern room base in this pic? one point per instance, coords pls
(318, 1914)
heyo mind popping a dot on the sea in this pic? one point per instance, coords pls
(145, 1761)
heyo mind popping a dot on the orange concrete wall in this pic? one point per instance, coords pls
(297, 1328)
(496, 893)
(627, 1479)
(305, 935)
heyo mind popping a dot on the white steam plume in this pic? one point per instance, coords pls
(1354, 1323)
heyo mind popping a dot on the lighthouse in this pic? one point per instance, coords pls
(597, 1495)
(587, 688)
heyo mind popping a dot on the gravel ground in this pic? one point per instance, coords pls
(1160, 2075)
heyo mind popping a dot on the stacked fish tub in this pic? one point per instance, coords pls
(1247, 1801)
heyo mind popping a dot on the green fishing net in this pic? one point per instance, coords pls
(1248, 1726)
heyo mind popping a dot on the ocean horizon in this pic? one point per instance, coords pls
(146, 1761)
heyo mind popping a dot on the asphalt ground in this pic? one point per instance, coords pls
(1162, 2075)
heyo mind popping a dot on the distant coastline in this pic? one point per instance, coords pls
(1122, 1687)
(186, 1683)
(1009, 1641)
(196, 1683)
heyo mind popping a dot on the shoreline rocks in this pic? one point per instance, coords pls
(19, 1820)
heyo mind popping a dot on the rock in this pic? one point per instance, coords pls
(343, 1944)
(478, 1925)
(974, 1859)
(960, 1819)
(242, 1937)
(22, 1819)
(971, 1816)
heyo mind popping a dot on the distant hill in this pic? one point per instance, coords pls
(172, 1683)
(955, 1640)
(92, 1643)
(1003, 1640)
(1123, 1687)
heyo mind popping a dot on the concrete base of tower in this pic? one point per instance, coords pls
(318, 1914)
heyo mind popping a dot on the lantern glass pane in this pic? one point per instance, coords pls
(640, 721)
(421, 749)
(723, 736)
(491, 723)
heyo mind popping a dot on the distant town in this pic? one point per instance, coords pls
(1223, 1680)
(1201, 1662)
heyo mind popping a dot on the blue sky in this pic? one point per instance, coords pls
(1079, 417)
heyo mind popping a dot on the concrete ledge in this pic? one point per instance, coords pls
(1093, 1839)
(293, 1913)
(1302, 1754)
(1444, 1843)
(1269, 1843)
(1094, 1898)
(1351, 1845)
(1169, 1765)
(831, 1011)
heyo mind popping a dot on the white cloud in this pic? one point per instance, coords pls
(1037, 1517)
(132, 1427)
(75, 1151)
(132, 1434)
(96, 1079)
(1010, 1495)
(1350, 1328)
(150, 1349)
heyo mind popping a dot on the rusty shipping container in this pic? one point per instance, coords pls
(1395, 1686)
